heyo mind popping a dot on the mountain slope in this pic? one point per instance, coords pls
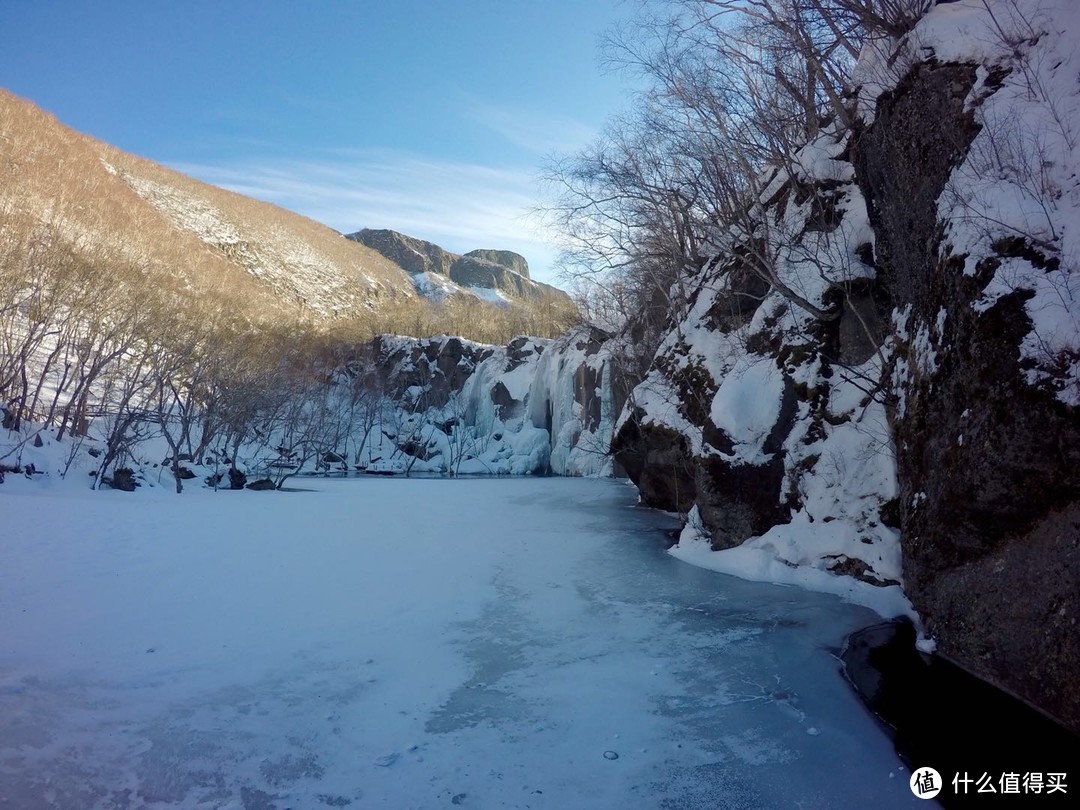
(70, 195)
(102, 201)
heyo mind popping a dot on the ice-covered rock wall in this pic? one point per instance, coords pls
(573, 397)
(530, 407)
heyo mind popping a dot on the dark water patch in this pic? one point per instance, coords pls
(942, 717)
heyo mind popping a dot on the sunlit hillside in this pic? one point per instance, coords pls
(81, 195)
(67, 197)
(126, 287)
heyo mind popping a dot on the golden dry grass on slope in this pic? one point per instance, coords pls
(106, 202)
(303, 261)
(63, 193)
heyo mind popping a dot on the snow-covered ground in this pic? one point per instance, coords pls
(409, 643)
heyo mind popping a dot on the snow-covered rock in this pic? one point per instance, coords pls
(897, 403)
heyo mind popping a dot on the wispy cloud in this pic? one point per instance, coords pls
(460, 206)
(530, 128)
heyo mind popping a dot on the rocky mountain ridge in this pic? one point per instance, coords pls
(499, 275)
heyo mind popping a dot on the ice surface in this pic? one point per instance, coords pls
(392, 643)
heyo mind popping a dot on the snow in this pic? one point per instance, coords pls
(818, 159)
(438, 288)
(434, 286)
(393, 643)
(489, 294)
(291, 266)
(747, 405)
(578, 447)
(785, 555)
(839, 472)
(469, 434)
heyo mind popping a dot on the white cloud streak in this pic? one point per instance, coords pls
(458, 205)
(538, 131)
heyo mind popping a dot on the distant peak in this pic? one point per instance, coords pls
(506, 258)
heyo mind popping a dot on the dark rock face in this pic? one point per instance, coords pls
(506, 406)
(501, 270)
(737, 501)
(506, 258)
(436, 366)
(518, 351)
(659, 462)
(903, 161)
(470, 271)
(413, 255)
(589, 379)
(989, 465)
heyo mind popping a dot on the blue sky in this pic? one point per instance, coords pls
(429, 117)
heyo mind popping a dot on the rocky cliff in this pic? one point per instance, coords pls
(447, 405)
(438, 273)
(979, 262)
(896, 400)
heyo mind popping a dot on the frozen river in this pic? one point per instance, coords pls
(513, 643)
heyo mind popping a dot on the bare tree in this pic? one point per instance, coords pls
(734, 89)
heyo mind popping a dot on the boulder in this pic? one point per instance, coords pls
(237, 479)
(123, 479)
